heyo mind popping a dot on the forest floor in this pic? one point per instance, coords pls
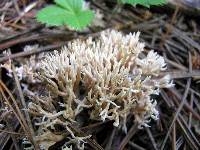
(170, 30)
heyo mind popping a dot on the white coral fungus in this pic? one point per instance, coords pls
(106, 77)
(116, 81)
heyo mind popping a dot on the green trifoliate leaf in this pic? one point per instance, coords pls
(66, 12)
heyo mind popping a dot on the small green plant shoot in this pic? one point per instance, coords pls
(146, 3)
(72, 13)
(66, 12)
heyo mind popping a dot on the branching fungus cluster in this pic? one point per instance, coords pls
(109, 78)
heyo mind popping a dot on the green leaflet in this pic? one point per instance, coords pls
(146, 3)
(70, 5)
(72, 14)
(66, 12)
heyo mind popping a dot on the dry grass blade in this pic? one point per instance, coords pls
(90, 141)
(191, 90)
(35, 51)
(183, 74)
(187, 136)
(169, 27)
(17, 112)
(37, 27)
(186, 105)
(24, 107)
(109, 144)
(188, 132)
(174, 137)
(129, 135)
(177, 113)
(12, 108)
(135, 146)
(10, 132)
(13, 136)
(151, 138)
(191, 105)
